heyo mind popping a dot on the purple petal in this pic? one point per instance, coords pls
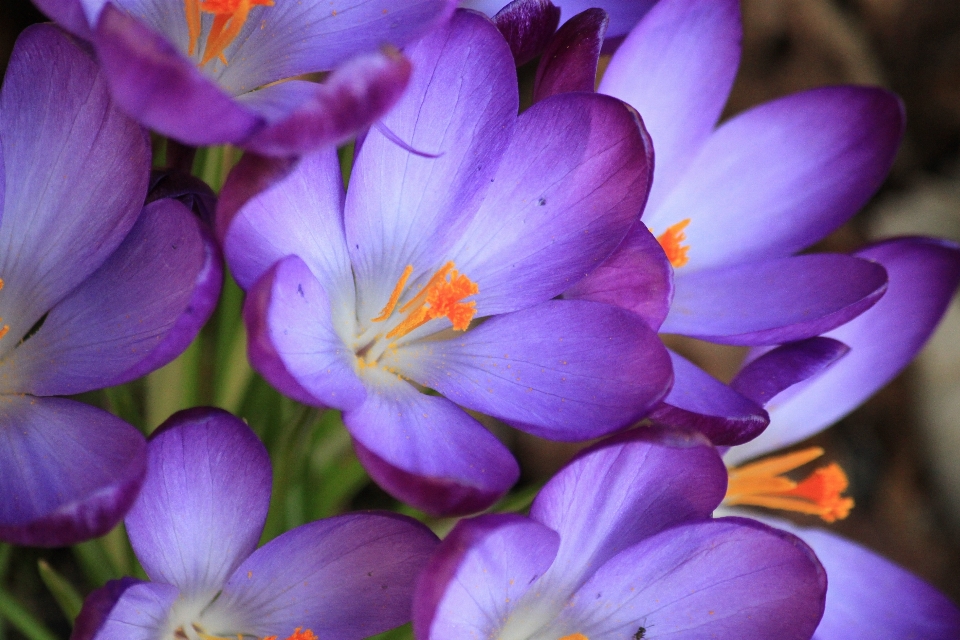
(563, 370)
(293, 342)
(785, 366)
(315, 115)
(140, 613)
(570, 60)
(924, 273)
(97, 607)
(774, 301)
(427, 452)
(479, 572)
(637, 277)
(75, 16)
(71, 471)
(726, 578)
(107, 331)
(781, 176)
(700, 402)
(204, 501)
(76, 173)
(650, 479)
(570, 187)
(345, 578)
(676, 68)
(163, 89)
(295, 212)
(403, 209)
(623, 13)
(527, 26)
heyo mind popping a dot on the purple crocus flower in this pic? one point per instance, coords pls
(209, 71)
(361, 300)
(624, 14)
(195, 528)
(97, 290)
(868, 596)
(620, 545)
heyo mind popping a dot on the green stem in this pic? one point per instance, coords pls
(20, 618)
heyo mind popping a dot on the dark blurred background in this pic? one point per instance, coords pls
(902, 448)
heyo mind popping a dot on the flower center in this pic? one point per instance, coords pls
(762, 484)
(229, 17)
(671, 240)
(6, 327)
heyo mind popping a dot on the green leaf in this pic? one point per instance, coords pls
(63, 592)
(14, 613)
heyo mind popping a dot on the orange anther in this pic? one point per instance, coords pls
(395, 296)
(297, 635)
(442, 297)
(671, 240)
(575, 636)
(761, 484)
(228, 21)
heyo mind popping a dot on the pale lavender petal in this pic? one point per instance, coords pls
(786, 365)
(527, 26)
(428, 452)
(204, 501)
(563, 370)
(700, 402)
(404, 209)
(97, 607)
(637, 277)
(676, 68)
(571, 185)
(730, 578)
(924, 274)
(773, 301)
(140, 613)
(478, 574)
(107, 331)
(345, 578)
(76, 172)
(570, 61)
(622, 491)
(70, 471)
(781, 176)
(75, 16)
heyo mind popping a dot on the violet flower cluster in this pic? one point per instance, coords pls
(472, 262)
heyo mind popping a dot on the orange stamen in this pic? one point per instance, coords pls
(575, 636)
(297, 635)
(761, 484)
(192, 10)
(441, 297)
(228, 21)
(6, 327)
(670, 241)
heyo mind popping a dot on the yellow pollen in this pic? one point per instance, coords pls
(229, 17)
(575, 636)
(297, 635)
(671, 240)
(442, 297)
(762, 484)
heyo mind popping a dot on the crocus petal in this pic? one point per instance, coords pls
(785, 366)
(428, 452)
(781, 176)
(107, 328)
(345, 578)
(315, 115)
(564, 370)
(923, 273)
(774, 301)
(97, 607)
(481, 569)
(403, 209)
(140, 613)
(157, 85)
(725, 578)
(637, 277)
(204, 501)
(700, 402)
(527, 26)
(871, 598)
(71, 471)
(676, 68)
(570, 60)
(292, 340)
(570, 187)
(623, 13)
(75, 16)
(76, 173)
(651, 479)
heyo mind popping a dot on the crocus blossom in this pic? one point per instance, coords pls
(195, 528)
(618, 545)
(440, 273)
(730, 205)
(209, 71)
(97, 289)
(868, 596)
